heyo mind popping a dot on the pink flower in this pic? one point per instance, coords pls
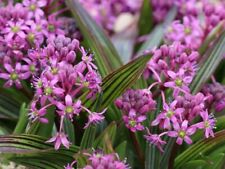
(94, 117)
(208, 123)
(70, 166)
(133, 121)
(170, 114)
(182, 132)
(179, 81)
(15, 28)
(14, 75)
(58, 139)
(36, 114)
(155, 139)
(69, 108)
(34, 8)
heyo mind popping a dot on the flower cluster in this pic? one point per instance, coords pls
(63, 79)
(24, 26)
(216, 95)
(107, 13)
(100, 160)
(190, 30)
(34, 47)
(135, 104)
(172, 67)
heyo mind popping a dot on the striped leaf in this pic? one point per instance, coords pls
(207, 147)
(118, 81)
(32, 151)
(156, 36)
(107, 58)
(214, 57)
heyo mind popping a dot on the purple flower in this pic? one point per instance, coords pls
(208, 123)
(70, 166)
(15, 28)
(36, 114)
(13, 75)
(133, 121)
(94, 117)
(182, 132)
(34, 8)
(179, 81)
(170, 114)
(58, 139)
(155, 139)
(69, 108)
(99, 160)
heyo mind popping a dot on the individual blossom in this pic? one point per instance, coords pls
(134, 121)
(207, 124)
(58, 139)
(179, 81)
(34, 8)
(155, 139)
(189, 33)
(70, 166)
(15, 28)
(182, 132)
(94, 117)
(13, 75)
(38, 114)
(169, 114)
(69, 108)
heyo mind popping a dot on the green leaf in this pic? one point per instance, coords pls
(121, 149)
(145, 23)
(108, 133)
(156, 36)
(118, 81)
(195, 164)
(88, 137)
(205, 147)
(208, 66)
(69, 130)
(211, 36)
(107, 58)
(32, 151)
(23, 120)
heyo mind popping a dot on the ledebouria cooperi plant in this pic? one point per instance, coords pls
(68, 101)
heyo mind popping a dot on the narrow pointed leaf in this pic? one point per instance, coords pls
(207, 68)
(109, 132)
(118, 81)
(145, 23)
(204, 147)
(88, 137)
(106, 56)
(156, 36)
(23, 120)
(32, 151)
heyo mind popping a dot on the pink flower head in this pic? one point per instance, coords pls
(170, 114)
(94, 117)
(58, 139)
(15, 28)
(34, 8)
(134, 121)
(179, 81)
(70, 166)
(207, 124)
(14, 75)
(155, 139)
(38, 114)
(182, 132)
(69, 108)
(99, 160)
